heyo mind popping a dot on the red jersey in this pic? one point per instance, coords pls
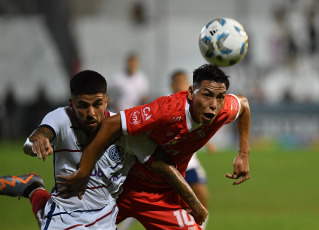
(168, 122)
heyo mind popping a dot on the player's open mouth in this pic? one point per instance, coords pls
(209, 116)
(91, 123)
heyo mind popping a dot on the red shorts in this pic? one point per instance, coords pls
(154, 208)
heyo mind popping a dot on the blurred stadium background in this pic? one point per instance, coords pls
(44, 42)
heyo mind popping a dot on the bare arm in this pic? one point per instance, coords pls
(75, 183)
(38, 144)
(178, 183)
(110, 126)
(241, 164)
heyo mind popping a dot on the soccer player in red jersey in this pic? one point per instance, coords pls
(180, 124)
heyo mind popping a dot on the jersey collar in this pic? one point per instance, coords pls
(191, 124)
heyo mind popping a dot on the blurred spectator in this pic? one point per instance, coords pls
(130, 87)
(10, 116)
(278, 35)
(257, 96)
(311, 20)
(39, 108)
(293, 45)
(138, 13)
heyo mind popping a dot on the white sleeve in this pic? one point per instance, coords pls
(140, 145)
(59, 122)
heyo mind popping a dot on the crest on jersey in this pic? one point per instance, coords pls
(116, 153)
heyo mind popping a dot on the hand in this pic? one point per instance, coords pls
(241, 168)
(42, 148)
(199, 215)
(72, 185)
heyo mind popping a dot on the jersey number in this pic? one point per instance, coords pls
(183, 218)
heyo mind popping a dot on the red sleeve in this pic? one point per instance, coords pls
(142, 118)
(231, 107)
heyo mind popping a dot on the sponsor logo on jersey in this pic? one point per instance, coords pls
(116, 153)
(176, 119)
(115, 178)
(146, 113)
(135, 118)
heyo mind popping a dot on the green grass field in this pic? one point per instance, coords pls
(281, 194)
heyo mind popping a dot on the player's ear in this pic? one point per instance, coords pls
(70, 103)
(106, 100)
(190, 93)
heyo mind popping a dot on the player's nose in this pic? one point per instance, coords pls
(213, 104)
(90, 111)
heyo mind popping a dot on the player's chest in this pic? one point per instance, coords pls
(186, 143)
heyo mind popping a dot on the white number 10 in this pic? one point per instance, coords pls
(183, 218)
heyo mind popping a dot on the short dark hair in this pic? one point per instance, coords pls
(88, 82)
(211, 73)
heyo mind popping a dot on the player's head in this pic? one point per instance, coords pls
(87, 82)
(207, 94)
(179, 81)
(88, 99)
(210, 73)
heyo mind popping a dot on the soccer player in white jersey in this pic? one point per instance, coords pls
(65, 132)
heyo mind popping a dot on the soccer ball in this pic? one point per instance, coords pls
(223, 42)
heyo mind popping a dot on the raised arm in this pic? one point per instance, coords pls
(75, 183)
(162, 167)
(38, 143)
(241, 164)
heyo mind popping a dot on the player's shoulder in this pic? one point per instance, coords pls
(59, 112)
(59, 118)
(231, 100)
(174, 100)
(231, 106)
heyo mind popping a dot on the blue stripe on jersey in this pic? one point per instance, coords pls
(62, 213)
(49, 218)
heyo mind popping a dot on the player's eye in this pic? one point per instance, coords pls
(207, 95)
(221, 97)
(82, 106)
(97, 105)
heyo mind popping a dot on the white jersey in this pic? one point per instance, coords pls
(109, 173)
